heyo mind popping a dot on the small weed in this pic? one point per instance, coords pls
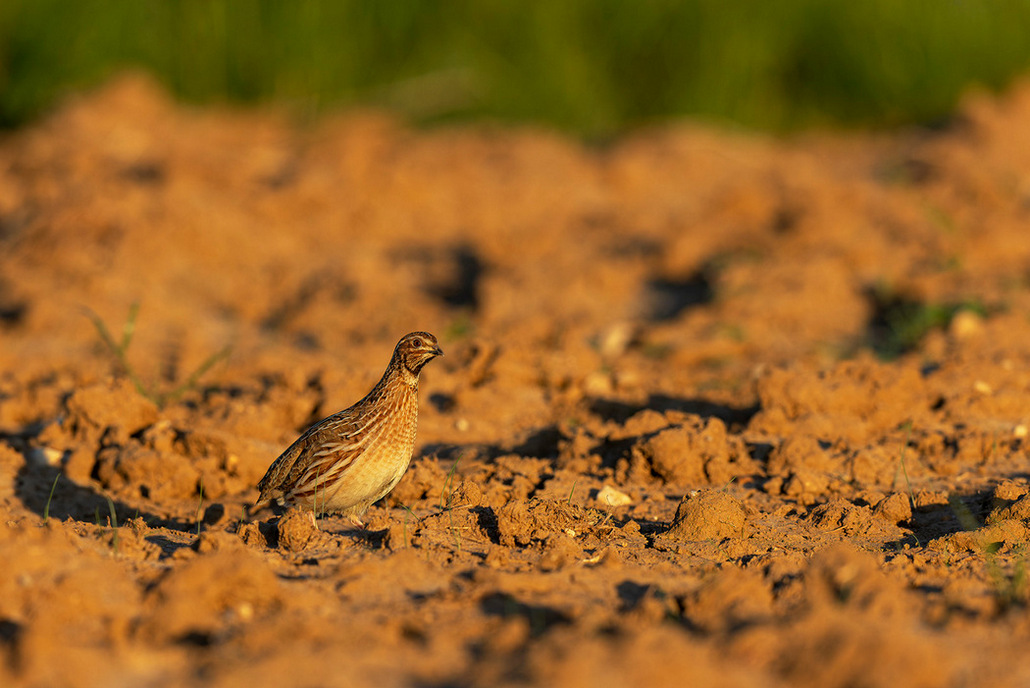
(200, 504)
(607, 516)
(46, 509)
(120, 352)
(455, 531)
(732, 331)
(899, 323)
(902, 467)
(404, 529)
(460, 328)
(113, 524)
(943, 220)
(1009, 589)
(656, 351)
(447, 493)
(572, 491)
(962, 512)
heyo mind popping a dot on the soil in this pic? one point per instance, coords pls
(715, 408)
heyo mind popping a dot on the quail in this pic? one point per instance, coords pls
(348, 461)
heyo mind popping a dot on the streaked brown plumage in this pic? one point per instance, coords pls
(353, 458)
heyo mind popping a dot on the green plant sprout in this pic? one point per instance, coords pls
(113, 524)
(404, 527)
(1008, 589)
(901, 464)
(46, 509)
(455, 531)
(119, 350)
(200, 503)
(447, 493)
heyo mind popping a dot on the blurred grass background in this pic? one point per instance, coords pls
(589, 66)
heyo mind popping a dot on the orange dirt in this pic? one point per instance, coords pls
(659, 450)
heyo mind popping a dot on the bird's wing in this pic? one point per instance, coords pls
(339, 434)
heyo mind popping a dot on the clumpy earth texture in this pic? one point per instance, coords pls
(716, 409)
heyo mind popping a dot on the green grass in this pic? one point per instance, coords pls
(120, 352)
(1010, 589)
(200, 505)
(901, 469)
(447, 491)
(590, 66)
(50, 498)
(900, 323)
(113, 525)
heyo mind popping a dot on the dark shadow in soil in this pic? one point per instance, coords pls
(734, 417)
(144, 172)
(648, 527)
(546, 442)
(12, 313)
(631, 593)
(486, 519)
(451, 274)
(168, 545)
(32, 486)
(444, 403)
(466, 454)
(9, 631)
(460, 286)
(12, 309)
(541, 443)
(540, 618)
(898, 322)
(965, 512)
(323, 281)
(665, 299)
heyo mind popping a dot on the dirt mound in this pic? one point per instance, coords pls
(748, 410)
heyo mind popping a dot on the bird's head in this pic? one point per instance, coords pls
(416, 349)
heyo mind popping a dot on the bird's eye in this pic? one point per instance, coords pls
(417, 343)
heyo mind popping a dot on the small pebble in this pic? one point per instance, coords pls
(609, 496)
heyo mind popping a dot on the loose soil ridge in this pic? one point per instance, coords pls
(716, 406)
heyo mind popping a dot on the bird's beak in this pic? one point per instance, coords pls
(437, 351)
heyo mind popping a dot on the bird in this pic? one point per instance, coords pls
(346, 462)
